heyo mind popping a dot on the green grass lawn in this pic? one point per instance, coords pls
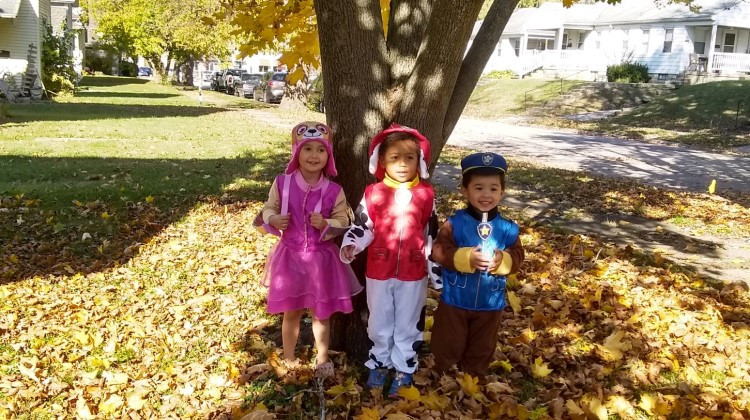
(713, 115)
(504, 97)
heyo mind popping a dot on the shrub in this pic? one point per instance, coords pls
(97, 64)
(628, 73)
(128, 69)
(315, 95)
(57, 62)
(500, 74)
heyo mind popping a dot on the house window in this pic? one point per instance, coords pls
(644, 39)
(626, 41)
(729, 40)
(668, 35)
(4, 54)
(565, 41)
(263, 69)
(499, 50)
(517, 46)
(662, 76)
(699, 47)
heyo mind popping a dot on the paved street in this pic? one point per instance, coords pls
(661, 165)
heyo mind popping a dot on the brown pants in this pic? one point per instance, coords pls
(464, 338)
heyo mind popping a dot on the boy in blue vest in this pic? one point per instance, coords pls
(477, 248)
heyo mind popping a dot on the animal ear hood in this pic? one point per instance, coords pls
(311, 131)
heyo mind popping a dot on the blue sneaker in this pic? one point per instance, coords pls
(377, 378)
(401, 379)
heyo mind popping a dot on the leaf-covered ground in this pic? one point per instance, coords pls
(158, 312)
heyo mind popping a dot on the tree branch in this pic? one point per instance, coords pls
(476, 58)
(427, 90)
(406, 26)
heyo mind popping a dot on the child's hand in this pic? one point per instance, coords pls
(478, 260)
(317, 220)
(280, 222)
(348, 252)
(497, 259)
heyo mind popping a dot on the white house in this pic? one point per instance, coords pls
(581, 41)
(21, 36)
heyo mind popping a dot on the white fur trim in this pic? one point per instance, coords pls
(374, 159)
(423, 172)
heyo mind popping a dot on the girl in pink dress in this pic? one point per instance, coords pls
(303, 270)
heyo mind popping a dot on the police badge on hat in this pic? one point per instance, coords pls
(487, 158)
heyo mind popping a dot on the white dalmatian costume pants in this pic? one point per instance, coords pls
(396, 323)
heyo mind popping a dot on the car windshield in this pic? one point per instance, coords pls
(279, 77)
(248, 76)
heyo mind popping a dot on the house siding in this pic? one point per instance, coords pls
(16, 35)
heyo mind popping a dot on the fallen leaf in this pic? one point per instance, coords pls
(540, 369)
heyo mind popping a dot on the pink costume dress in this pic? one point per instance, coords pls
(304, 269)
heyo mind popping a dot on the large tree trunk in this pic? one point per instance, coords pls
(417, 77)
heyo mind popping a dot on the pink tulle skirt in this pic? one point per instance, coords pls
(315, 280)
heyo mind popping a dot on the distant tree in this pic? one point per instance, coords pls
(153, 29)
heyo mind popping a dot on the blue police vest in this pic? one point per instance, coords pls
(479, 291)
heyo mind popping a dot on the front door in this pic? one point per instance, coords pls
(730, 39)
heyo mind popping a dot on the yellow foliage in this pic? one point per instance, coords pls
(409, 392)
(470, 385)
(368, 414)
(515, 302)
(540, 369)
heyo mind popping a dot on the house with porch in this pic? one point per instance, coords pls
(21, 35)
(66, 16)
(710, 38)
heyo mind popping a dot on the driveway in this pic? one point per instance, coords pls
(662, 165)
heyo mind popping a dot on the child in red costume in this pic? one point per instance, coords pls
(396, 220)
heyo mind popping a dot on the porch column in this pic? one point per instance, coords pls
(524, 44)
(710, 63)
(559, 38)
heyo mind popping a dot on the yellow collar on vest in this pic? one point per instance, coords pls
(396, 184)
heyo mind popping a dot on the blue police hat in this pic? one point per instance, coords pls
(484, 160)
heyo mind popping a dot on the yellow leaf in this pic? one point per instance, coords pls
(648, 403)
(135, 401)
(111, 404)
(618, 404)
(81, 337)
(597, 409)
(515, 302)
(503, 364)
(433, 401)
(410, 393)
(150, 199)
(613, 346)
(540, 369)
(82, 409)
(368, 414)
(469, 384)
(588, 254)
(712, 187)
(574, 410)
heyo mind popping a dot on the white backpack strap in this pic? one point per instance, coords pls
(285, 195)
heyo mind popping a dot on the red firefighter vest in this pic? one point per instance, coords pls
(398, 250)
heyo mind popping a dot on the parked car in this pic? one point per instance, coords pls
(271, 87)
(215, 80)
(226, 82)
(145, 72)
(243, 86)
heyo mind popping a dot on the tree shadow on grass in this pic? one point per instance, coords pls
(62, 216)
(94, 111)
(114, 94)
(111, 81)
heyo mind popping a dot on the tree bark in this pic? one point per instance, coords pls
(189, 68)
(479, 53)
(427, 91)
(356, 75)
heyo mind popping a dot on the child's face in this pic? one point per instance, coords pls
(484, 192)
(313, 157)
(400, 160)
